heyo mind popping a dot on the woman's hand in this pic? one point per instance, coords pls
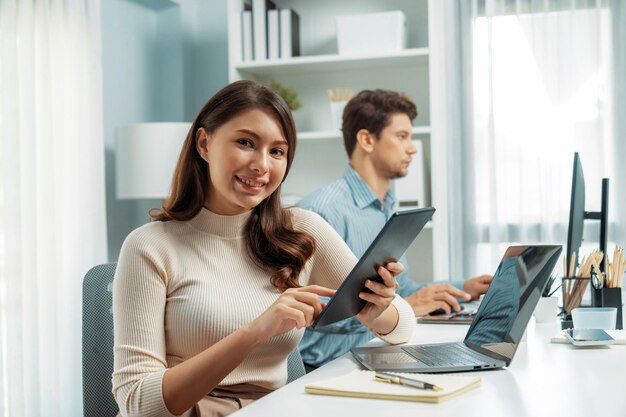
(381, 296)
(296, 307)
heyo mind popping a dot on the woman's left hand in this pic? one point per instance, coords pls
(382, 293)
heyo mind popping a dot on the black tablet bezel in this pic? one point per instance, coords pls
(389, 245)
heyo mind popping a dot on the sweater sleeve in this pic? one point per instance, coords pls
(406, 323)
(139, 296)
(333, 260)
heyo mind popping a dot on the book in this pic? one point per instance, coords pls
(259, 27)
(410, 188)
(273, 35)
(362, 384)
(289, 33)
(247, 52)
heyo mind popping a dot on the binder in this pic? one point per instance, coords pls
(362, 384)
(259, 27)
(247, 52)
(289, 33)
(273, 35)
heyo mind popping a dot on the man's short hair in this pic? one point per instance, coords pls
(372, 110)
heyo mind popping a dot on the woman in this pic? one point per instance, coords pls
(210, 297)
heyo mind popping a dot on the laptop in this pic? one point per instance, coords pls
(497, 328)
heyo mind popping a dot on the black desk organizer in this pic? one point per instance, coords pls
(609, 297)
(602, 297)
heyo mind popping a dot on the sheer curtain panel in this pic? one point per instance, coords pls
(534, 81)
(52, 219)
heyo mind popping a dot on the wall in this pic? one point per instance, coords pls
(161, 61)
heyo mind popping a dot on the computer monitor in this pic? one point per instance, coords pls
(578, 215)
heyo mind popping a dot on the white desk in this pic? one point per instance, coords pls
(544, 379)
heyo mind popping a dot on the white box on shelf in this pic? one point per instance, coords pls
(410, 189)
(371, 33)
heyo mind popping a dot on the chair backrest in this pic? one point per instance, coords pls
(295, 366)
(98, 344)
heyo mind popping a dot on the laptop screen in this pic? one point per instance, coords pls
(511, 298)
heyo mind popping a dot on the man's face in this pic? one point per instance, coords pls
(394, 149)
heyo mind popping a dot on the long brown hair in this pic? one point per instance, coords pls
(271, 240)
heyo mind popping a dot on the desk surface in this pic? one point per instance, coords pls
(544, 379)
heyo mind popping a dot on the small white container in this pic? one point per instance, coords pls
(546, 310)
(371, 33)
(336, 113)
(594, 318)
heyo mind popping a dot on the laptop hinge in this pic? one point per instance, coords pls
(488, 352)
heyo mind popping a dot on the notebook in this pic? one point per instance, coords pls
(492, 339)
(362, 384)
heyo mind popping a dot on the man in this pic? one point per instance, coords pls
(377, 137)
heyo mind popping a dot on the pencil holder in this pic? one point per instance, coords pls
(566, 321)
(573, 289)
(336, 114)
(612, 297)
(596, 293)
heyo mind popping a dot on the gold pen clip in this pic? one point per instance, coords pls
(395, 380)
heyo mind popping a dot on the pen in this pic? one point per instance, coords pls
(396, 379)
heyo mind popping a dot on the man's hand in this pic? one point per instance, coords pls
(436, 296)
(477, 286)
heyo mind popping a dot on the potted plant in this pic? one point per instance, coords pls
(289, 94)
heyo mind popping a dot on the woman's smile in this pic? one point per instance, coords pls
(251, 184)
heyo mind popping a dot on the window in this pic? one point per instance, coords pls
(541, 91)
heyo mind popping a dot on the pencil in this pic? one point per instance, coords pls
(572, 265)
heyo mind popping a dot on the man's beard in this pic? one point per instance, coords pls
(398, 174)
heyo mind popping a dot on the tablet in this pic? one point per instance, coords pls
(390, 244)
(588, 337)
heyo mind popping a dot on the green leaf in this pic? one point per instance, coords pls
(289, 94)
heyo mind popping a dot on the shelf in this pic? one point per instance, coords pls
(336, 134)
(333, 63)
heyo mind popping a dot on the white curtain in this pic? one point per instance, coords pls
(536, 81)
(52, 210)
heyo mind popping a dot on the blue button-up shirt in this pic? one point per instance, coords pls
(350, 206)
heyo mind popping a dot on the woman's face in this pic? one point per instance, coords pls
(247, 160)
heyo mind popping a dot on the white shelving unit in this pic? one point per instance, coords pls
(407, 58)
(321, 157)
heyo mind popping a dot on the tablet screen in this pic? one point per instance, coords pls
(390, 244)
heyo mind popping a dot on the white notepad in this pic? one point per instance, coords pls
(363, 385)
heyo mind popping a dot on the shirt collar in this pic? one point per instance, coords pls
(363, 194)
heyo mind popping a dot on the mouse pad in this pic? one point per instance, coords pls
(390, 244)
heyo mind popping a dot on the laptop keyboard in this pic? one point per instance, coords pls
(449, 354)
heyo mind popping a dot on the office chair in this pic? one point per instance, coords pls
(98, 344)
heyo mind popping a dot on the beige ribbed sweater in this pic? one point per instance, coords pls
(180, 287)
